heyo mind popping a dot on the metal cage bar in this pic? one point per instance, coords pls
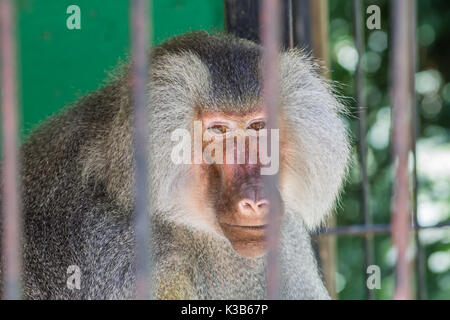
(270, 32)
(139, 80)
(419, 261)
(11, 232)
(290, 24)
(362, 230)
(241, 18)
(401, 86)
(302, 22)
(358, 30)
(319, 45)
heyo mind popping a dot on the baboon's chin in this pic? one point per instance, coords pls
(247, 241)
(251, 249)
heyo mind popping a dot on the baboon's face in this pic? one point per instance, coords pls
(236, 191)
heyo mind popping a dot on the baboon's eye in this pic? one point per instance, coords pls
(257, 125)
(218, 129)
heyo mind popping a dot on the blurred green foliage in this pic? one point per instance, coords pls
(433, 88)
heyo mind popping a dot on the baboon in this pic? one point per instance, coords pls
(208, 220)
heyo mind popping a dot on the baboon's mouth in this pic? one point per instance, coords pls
(257, 227)
(247, 240)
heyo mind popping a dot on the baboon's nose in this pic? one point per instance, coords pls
(259, 208)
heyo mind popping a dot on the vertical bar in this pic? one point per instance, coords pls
(319, 30)
(358, 29)
(402, 111)
(11, 248)
(290, 24)
(139, 80)
(319, 45)
(419, 261)
(241, 18)
(302, 31)
(270, 32)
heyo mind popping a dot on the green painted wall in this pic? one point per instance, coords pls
(57, 65)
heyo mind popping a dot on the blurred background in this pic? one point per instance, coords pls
(57, 66)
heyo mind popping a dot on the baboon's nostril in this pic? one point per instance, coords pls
(250, 207)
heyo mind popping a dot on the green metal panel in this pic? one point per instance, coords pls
(58, 65)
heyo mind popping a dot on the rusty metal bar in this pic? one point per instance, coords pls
(358, 30)
(419, 261)
(317, 17)
(241, 18)
(401, 73)
(11, 248)
(319, 34)
(290, 24)
(362, 230)
(302, 21)
(270, 33)
(139, 79)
